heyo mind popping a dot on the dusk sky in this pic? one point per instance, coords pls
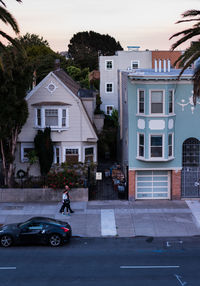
(146, 23)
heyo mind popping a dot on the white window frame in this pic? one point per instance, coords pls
(157, 114)
(106, 87)
(107, 107)
(138, 145)
(135, 61)
(171, 90)
(55, 157)
(60, 110)
(106, 68)
(23, 146)
(172, 156)
(163, 147)
(94, 152)
(138, 101)
(72, 147)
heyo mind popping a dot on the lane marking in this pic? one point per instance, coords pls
(8, 268)
(178, 277)
(149, 267)
(108, 226)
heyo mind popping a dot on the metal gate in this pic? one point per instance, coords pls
(190, 175)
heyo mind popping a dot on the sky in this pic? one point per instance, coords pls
(145, 23)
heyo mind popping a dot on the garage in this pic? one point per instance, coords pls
(153, 184)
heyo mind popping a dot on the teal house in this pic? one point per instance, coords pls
(159, 133)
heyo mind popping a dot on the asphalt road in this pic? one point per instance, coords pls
(104, 261)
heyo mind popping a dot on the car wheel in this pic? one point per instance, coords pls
(6, 240)
(55, 240)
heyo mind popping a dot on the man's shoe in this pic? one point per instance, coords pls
(72, 212)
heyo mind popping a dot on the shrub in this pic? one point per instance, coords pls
(57, 180)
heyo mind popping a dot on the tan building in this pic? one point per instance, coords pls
(56, 103)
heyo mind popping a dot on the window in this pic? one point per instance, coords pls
(109, 109)
(157, 101)
(25, 150)
(141, 101)
(170, 150)
(39, 120)
(52, 117)
(141, 145)
(135, 64)
(170, 102)
(156, 147)
(57, 155)
(109, 65)
(89, 154)
(71, 155)
(109, 87)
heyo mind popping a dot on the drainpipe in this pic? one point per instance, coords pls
(164, 65)
(160, 65)
(168, 65)
(156, 65)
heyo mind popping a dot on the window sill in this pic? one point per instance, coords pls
(56, 129)
(155, 159)
(155, 115)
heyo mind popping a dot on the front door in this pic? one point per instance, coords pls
(190, 175)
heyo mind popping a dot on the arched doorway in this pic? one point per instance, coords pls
(190, 176)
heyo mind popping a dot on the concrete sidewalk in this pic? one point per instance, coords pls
(156, 218)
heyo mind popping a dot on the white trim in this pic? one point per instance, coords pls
(72, 147)
(172, 156)
(23, 146)
(94, 152)
(110, 105)
(163, 147)
(172, 102)
(54, 156)
(59, 126)
(135, 61)
(108, 69)
(138, 101)
(156, 160)
(106, 87)
(156, 169)
(138, 145)
(163, 93)
(155, 115)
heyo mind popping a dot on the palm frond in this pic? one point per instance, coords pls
(7, 18)
(15, 42)
(190, 13)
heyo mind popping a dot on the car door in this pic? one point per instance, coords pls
(32, 233)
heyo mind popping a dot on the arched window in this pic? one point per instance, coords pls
(191, 152)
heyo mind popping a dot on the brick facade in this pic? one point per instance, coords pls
(165, 55)
(131, 185)
(176, 185)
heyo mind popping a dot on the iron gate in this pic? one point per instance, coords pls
(190, 175)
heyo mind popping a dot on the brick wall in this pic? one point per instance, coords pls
(164, 55)
(131, 185)
(176, 185)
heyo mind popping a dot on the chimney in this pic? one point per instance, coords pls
(164, 65)
(160, 65)
(57, 64)
(168, 65)
(156, 65)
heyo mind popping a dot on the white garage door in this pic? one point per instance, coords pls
(153, 185)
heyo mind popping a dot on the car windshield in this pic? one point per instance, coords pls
(23, 224)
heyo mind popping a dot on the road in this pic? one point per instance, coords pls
(104, 261)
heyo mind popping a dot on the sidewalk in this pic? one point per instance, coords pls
(156, 218)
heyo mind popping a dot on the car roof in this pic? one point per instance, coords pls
(48, 220)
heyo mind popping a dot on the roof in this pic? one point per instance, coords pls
(86, 93)
(67, 80)
(151, 73)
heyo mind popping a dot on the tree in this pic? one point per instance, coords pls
(81, 76)
(8, 19)
(44, 150)
(191, 54)
(14, 82)
(85, 47)
(41, 56)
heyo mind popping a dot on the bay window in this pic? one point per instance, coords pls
(157, 102)
(156, 146)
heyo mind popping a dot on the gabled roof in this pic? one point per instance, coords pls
(67, 80)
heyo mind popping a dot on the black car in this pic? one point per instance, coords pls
(42, 230)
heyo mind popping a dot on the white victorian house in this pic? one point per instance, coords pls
(58, 102)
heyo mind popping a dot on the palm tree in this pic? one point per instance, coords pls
(192, 54)
(7, 19)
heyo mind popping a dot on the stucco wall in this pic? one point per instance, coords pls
(41, 195)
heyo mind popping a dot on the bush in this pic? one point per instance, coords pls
(57, 180)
